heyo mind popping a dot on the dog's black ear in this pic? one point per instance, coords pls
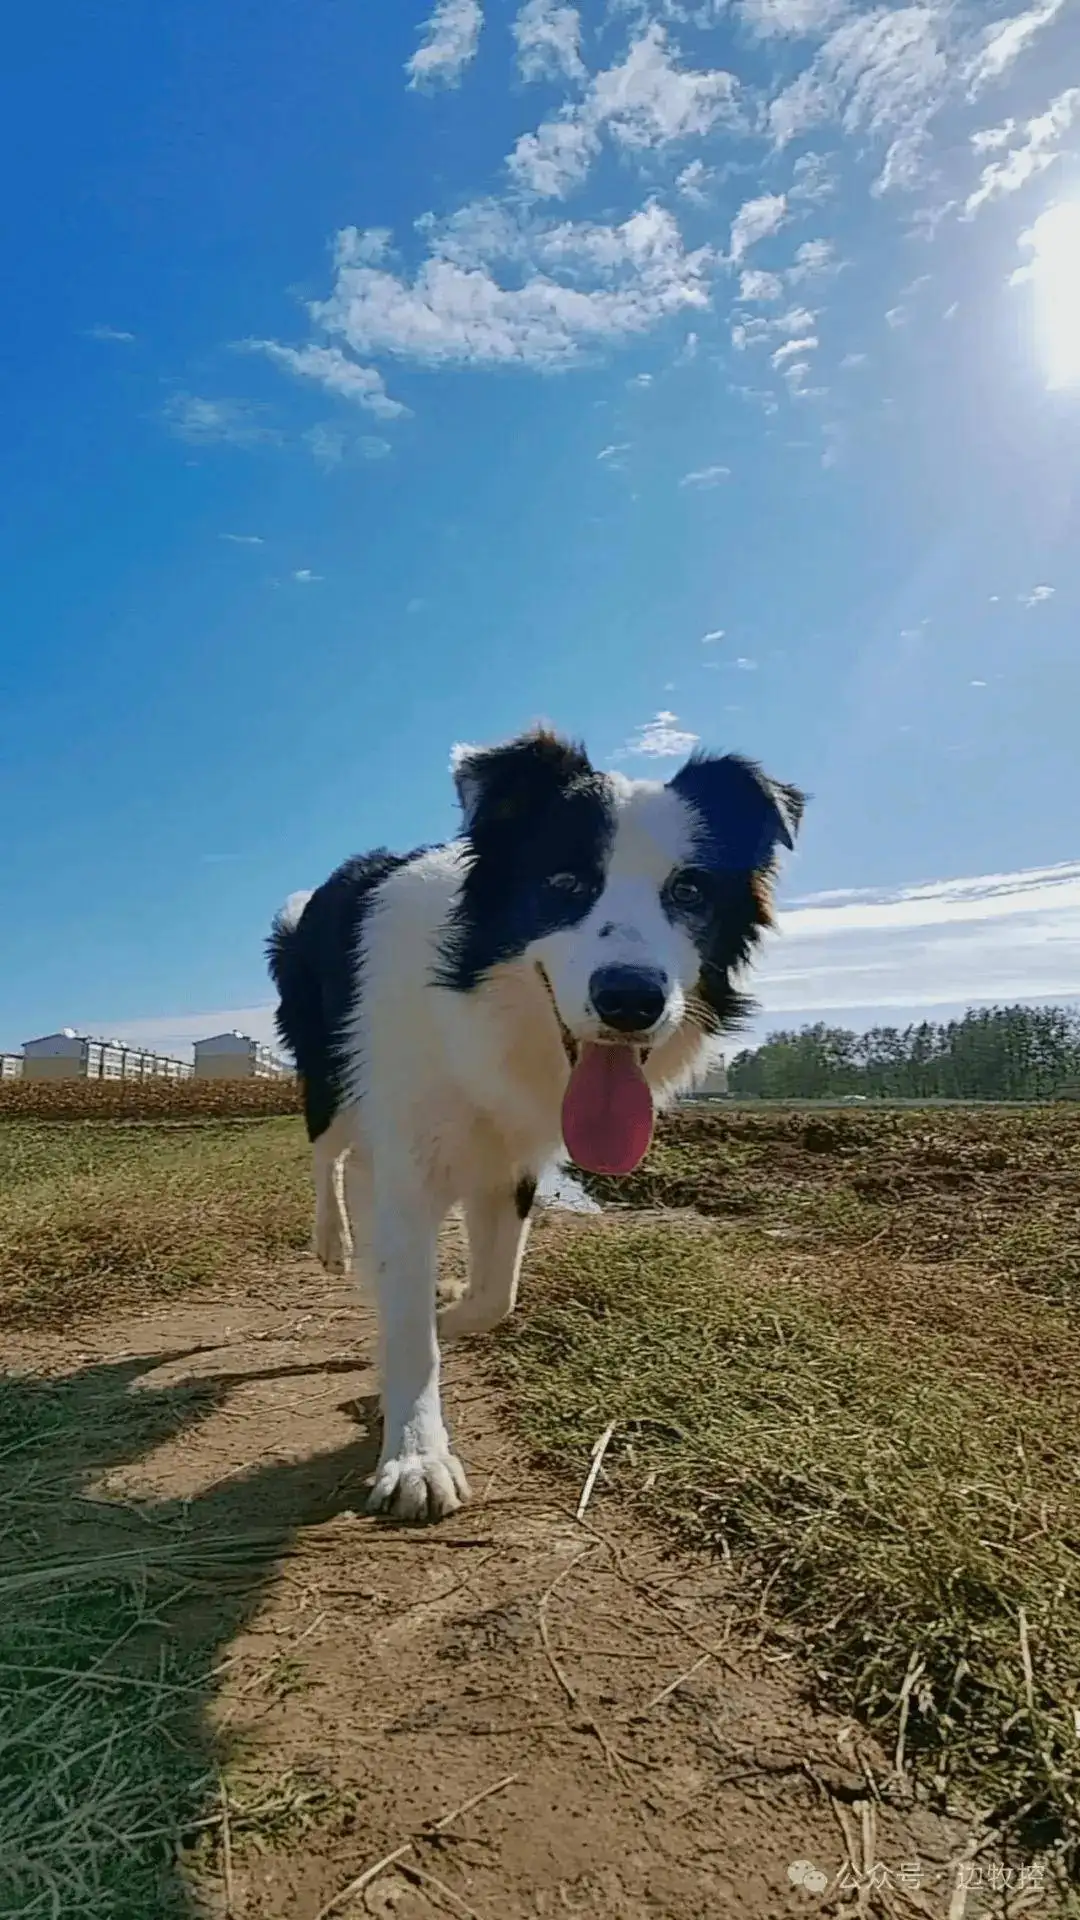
(500, 786)
(744, 814)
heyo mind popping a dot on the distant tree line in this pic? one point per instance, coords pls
(993, 1053)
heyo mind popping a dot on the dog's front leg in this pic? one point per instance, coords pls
(418, 1478)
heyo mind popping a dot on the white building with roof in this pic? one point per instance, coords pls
(236, 1056)
(68, 1055)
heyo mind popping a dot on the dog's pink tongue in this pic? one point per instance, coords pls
(607, 1113)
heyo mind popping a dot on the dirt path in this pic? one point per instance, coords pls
(619, 1746)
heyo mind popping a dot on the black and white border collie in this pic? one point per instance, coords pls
(463, 1015)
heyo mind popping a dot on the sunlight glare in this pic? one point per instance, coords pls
(1055, 271)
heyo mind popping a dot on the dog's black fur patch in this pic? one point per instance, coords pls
(744, 816)
(524, 1195)
(313, 966)
(536, 812)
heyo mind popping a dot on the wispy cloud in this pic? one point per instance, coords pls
(243, 539)
(1036, 150)
(548, 37)
(694, 182)
(991, 937)
(661, 738)
(175, 1033)
(794, 349)
(305, 576)
(451, 39)
(202, 422)
(1037, 596)
(756, 220)
(773, 19)
(118, 335)
(1004, 42)
(709, 639)
(882, 73)
(336, 372)
(702, 478)
(643, 102)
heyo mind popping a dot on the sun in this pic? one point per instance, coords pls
(1055, 273)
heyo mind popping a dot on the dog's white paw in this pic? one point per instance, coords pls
(332, 1251)
(464, 1318)
(419, 1486)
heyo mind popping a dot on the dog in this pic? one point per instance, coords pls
(465, 1015)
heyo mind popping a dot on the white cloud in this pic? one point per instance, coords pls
(906, 166)
(756, 285)
(709, 639)
(881, 72)
(1037, 596)
(337, 373)
(118, 335)
(746, 666)
(705, 477)
(650, 100)
(756, 220)
(617, 282)
(326, 445)
(812, 258)
(556, 157)
(305, 576)
(693, 182)
(660, 739)
(993, 937)
(1039, 147)
(1003, 43)
(201, 422)
(756, 330)
(452, 36)
(548, 37)
(614, 456)
(792, 349)
(812, 179)
(772, 18)
(372, 448)
(992, 139)
(645, 101)
(243, 539)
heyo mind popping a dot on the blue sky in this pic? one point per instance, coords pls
(375, 378)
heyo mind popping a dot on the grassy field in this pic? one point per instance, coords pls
(854, 1368)
(848, 1361)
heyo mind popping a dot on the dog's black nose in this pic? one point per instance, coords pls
(629, 999)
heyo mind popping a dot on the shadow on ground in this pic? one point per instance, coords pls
(114, 1620)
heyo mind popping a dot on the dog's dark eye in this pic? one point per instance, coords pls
(683, 890)
(571, 883)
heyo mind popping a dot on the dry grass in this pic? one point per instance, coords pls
(100, 1216)
(157, 1100)
(858, 1377)
(855, 1370)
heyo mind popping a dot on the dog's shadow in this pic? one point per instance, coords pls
(113, 1618)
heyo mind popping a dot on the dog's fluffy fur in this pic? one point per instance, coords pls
(435, 1003)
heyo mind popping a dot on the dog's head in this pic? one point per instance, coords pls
(637, 902)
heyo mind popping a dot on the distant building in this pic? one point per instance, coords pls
(11, 1066)
(68, 1055)
(236, 1056)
